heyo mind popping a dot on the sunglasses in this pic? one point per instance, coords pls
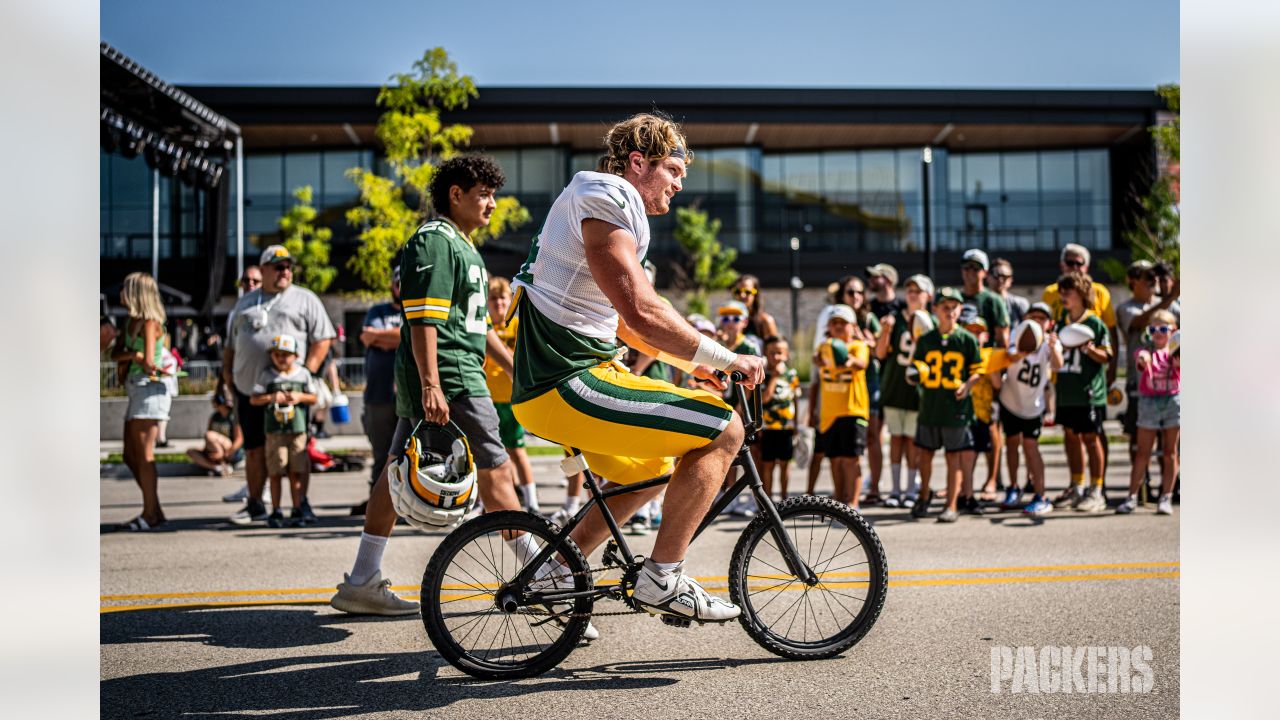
(854, 291)
(745, 291)
(281, 266)
(250, 282)
(1073, 263)
(731, 319)
(971, 267)
(1161, 329)
(1001, 276)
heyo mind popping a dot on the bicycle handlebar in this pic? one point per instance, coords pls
(751, 411)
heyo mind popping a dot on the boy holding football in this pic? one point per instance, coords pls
(1081, 391)
(1034, 355)
(845, 403)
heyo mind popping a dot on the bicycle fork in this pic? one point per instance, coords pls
(796, 565)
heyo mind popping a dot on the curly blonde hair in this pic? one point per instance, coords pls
(655, 136)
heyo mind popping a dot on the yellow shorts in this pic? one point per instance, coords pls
(629, 428)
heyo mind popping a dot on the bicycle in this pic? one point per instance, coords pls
(492, 615)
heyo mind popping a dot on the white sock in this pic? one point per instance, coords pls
(368, 558)
(895, 470)
(572, 503)
(524, 546)
(913, 481)
(664, 569)
(531, 497)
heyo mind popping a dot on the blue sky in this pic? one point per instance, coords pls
(788, 43)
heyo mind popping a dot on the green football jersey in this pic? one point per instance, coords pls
(443, 283)
(548, 354)
(1082, 381)
(950, 360)
(894, 390)
(991, 308)
(779, 410)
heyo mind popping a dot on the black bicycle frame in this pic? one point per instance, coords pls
(749, 477)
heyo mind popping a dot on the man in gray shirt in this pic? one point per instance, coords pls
(277, 308)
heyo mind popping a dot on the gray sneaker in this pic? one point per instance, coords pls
(948, 516)
(680, 596)
(1129, 505)
(372, 598)
(1094, 502)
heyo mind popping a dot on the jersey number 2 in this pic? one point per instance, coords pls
(477, 305)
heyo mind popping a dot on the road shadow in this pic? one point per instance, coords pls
(248, 628)
(316, 687)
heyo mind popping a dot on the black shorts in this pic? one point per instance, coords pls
(253, 422)
(775, 445)
(937, 437)
(981, 433)
(1014, 425)
(847, 437)
(819, 443)
(1129, 419)
(1082, 419)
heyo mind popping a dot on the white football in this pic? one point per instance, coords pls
(1075, 335)
(921, 323)
(1027, 337)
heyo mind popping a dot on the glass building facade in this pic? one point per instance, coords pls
(856, 201)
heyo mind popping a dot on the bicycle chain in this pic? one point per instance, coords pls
(588, 572)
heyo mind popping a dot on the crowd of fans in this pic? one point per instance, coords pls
(971, 371)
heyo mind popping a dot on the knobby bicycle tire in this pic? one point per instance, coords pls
(440, 587)
(771, 587)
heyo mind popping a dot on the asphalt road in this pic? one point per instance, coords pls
(212, 620)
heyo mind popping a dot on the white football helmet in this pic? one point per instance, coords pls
(433, 480)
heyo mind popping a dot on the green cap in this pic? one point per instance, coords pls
(948, 293)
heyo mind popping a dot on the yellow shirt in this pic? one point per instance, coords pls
(498, 380)
(843, 389)
(1102, 306)
(983, 392)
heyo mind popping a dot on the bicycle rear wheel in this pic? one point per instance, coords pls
(461, 613)
(797, 621)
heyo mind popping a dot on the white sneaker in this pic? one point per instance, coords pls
(1094, 502)
(1165, 506)
(893, 501)
(1129, 505)
(909, 501)
(372, 598)
(547, 582)
(238, 496)
(561, 517)
(679, 595)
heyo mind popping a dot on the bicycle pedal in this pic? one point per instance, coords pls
(675, 621)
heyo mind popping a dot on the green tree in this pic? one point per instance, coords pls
(707, 265)
(308, 244)
(1155, 229)
(415, 139)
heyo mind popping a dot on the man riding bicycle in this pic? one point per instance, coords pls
(582, 288)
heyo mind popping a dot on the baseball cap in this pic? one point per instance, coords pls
(275, 254)
(733, 307)
(285, 343)
(974, 322)
(703, 325)
(844, 312)
(1138, 268)
(884, 270)
(977, 256)
(921, 281)
(948, 293)
(1041, 308)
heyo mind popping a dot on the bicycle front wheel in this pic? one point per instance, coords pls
(795, 620)
(471, 567)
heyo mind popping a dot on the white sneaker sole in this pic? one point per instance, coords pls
(356, 607)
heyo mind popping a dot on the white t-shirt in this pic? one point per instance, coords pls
(556, 277)
(1024, 383)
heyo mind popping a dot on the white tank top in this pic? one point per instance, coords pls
(1024, 384)
(556, 277)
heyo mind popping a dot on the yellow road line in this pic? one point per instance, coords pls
(706, 579)
(892, 583)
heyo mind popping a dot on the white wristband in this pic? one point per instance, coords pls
(713, 354)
